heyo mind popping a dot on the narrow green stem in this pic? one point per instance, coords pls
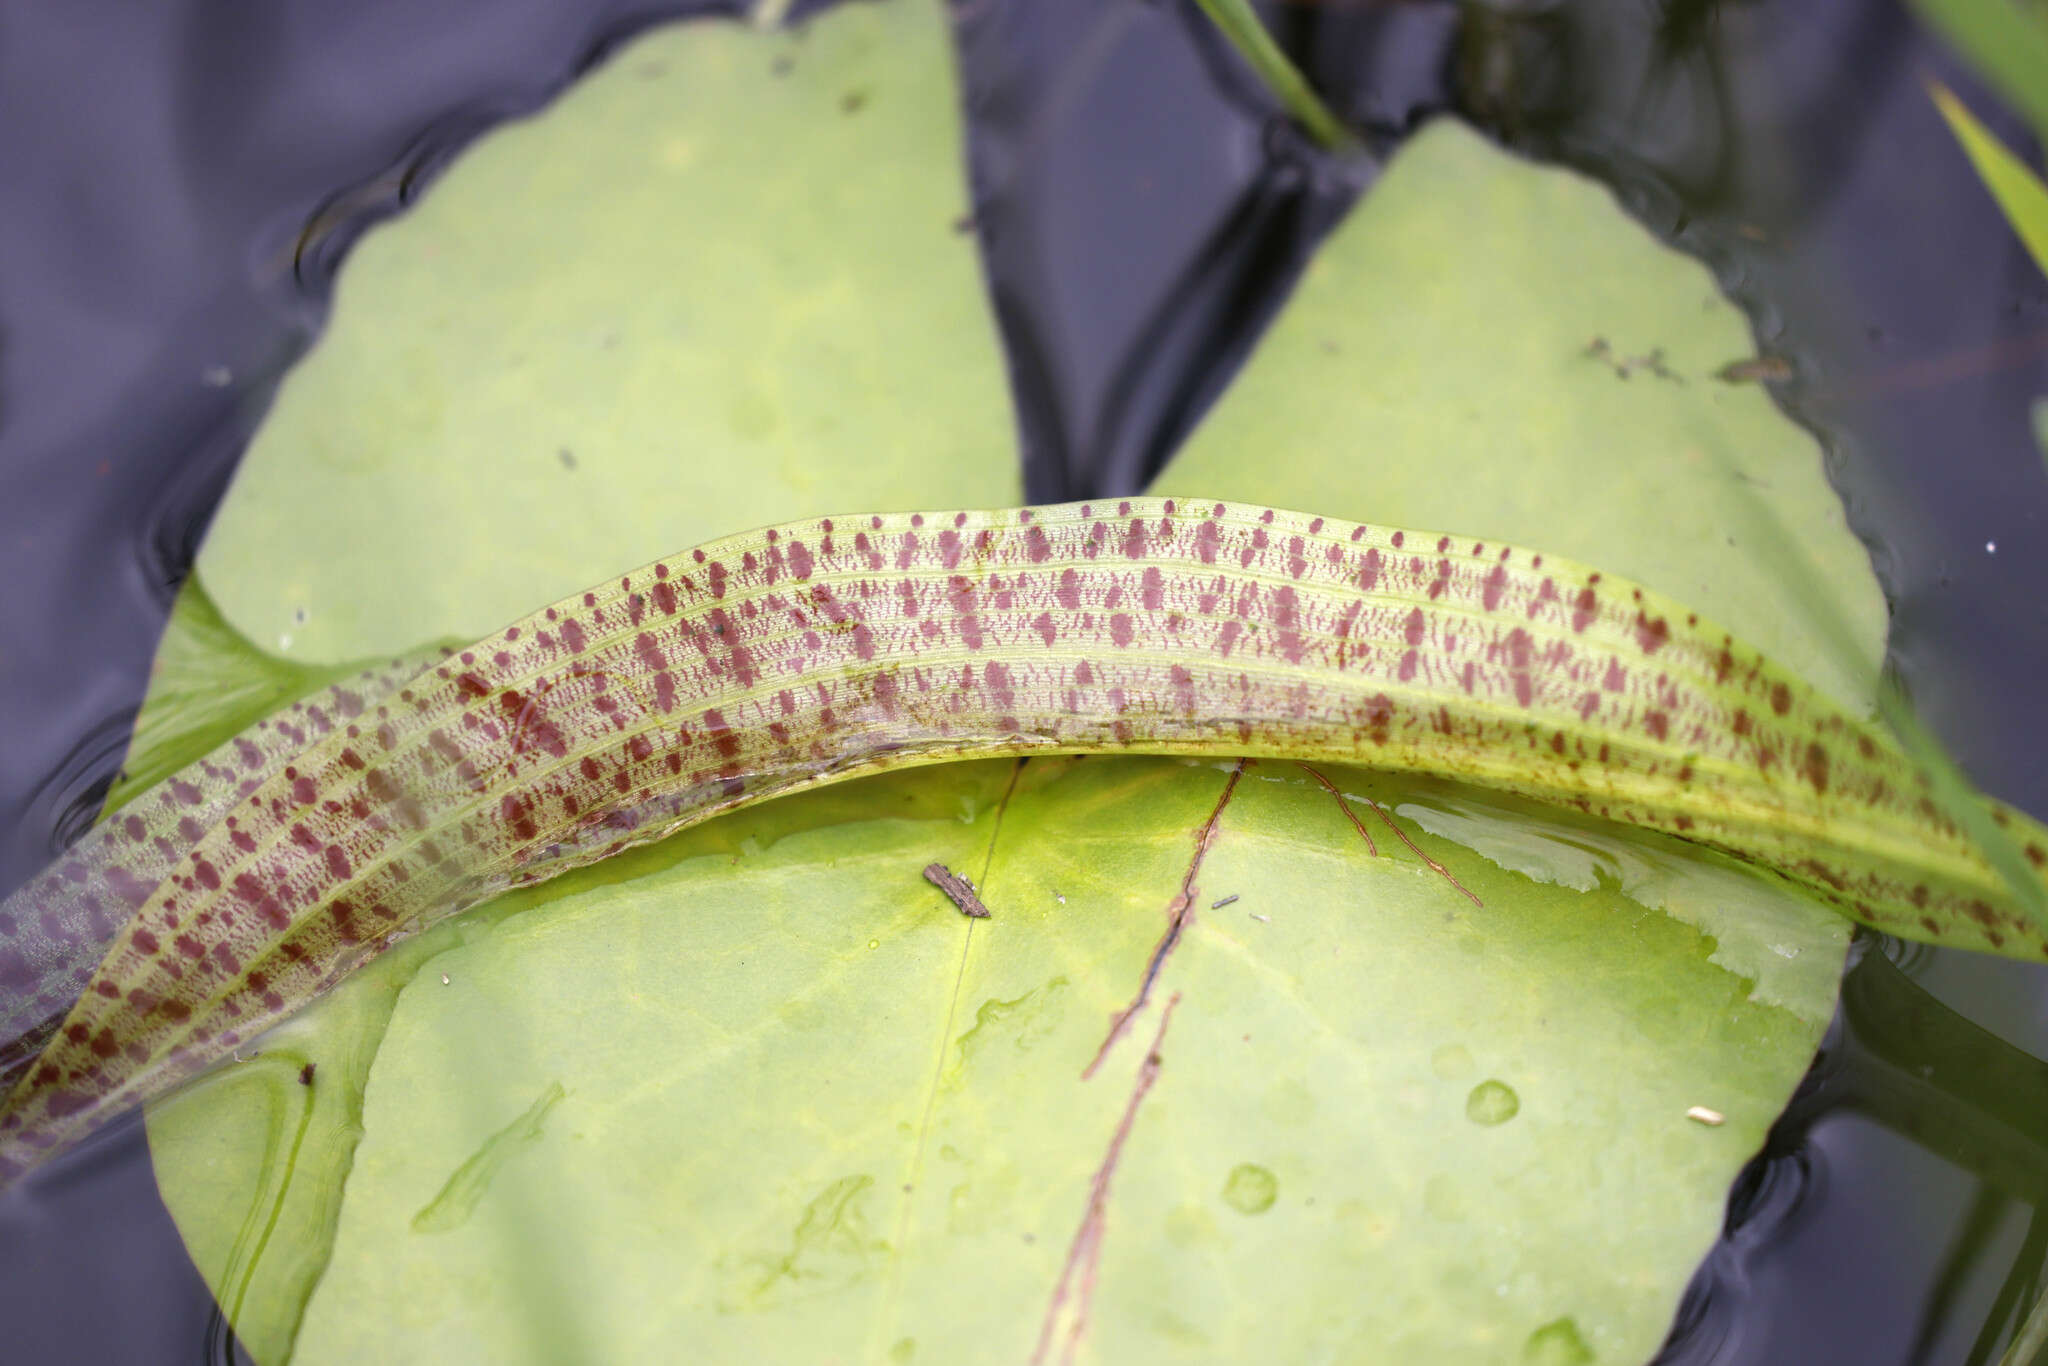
(1235, 20)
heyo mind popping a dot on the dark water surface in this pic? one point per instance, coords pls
(179, 181)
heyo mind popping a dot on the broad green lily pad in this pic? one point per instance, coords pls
(761, 1092)
(722, 283)
(785, 1103)
(1494, 348)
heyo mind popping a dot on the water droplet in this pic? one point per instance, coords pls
(874, 943)
(1250, 1189)
(284, 642)
(1491, 1103)
(1990, 547)
(1557, 1343)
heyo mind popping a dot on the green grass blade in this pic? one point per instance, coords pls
(1238, 24)
(2007, 45)
(2019, 192)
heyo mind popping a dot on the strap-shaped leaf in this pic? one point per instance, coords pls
(781, 659)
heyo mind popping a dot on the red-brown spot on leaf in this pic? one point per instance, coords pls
(1496, 584)
(1153, 590)
(1815, 767)
(515, 812)
(728, 744)
(1134, 537)
(1584, 609)
(1518, 666)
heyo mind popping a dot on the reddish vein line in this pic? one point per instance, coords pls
(1445, 872)
(1344, 806)
(1084, 1254)
(1178, 915)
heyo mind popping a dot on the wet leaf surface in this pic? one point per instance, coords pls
(762, 1088)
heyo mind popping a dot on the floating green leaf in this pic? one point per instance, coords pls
(806, 1107)
(648, 319)
(805, 1097)
(1542, 375)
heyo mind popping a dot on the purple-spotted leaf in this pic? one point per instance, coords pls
(771, 662)
(762, 1085)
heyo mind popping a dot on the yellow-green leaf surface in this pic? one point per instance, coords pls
(761, 1093)
(807, 1112)
(1494, 348)
(669, 309)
